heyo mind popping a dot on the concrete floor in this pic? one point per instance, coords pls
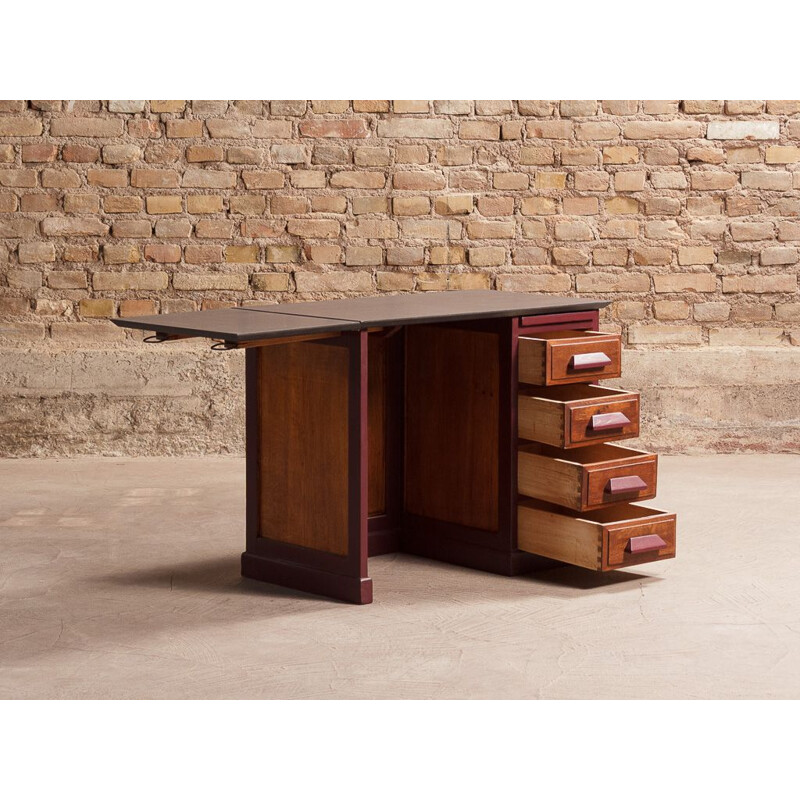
(119, 579)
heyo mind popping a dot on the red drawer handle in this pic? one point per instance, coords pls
(607, 422)
(643, 544)
(630, 483)
(590, 360)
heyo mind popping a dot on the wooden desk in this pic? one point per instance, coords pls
(385, 424)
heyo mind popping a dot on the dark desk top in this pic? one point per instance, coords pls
(251, 323)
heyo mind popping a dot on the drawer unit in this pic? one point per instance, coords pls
(559, 357)
(622, 536)
(586, 478)
(577, 415)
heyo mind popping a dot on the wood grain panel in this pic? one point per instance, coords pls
(452, 425)
(303, 419)
(377, 425)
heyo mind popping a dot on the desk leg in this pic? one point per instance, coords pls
(307, 467)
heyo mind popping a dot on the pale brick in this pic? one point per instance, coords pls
(163, 253)
(272, 129)
(752, 231)
(24, 278)
(358, 180)
(363, 256)
(204, 204)
(592, 181)
(579, 156)
(120, 254)
(469, 281)
(370, 205)
(418, 181)
(368, 228)
(702, 106)
(164, 204)
(612, 282)
(782, 155)
(21, 126)
(551, 180)
(596, 131)
(688, 256)
(660, 106)
(534, 283)
(395, 281)
(685, 282)
(89, 127)
(743, 155)
(671, 309)
(533, 229)
(622, 205)
(209, 281)
(36, 253)
(665, 334)
(549, 129)
(711, 312)
(453, 107)
(411, 206)
(573, 231)
(745, 337)
(510, 181)
(452, 254)
(335, 128)
(411, 154)
(493, 108)
(750, 129)
(620, 154)
(372, 156)
(399, 128)
(774, 256)
(652, 256)
(676, 129)
(487, 256)
(340, 281)
(484, 229)
(74, 226)
(581, 206)
(668, 180)
(405, 256)
(454, 204)
(425, 229)
(712, 180)
(775, 181)
(663, 229)
(538, 206)
(124, 281)
(759, 284)
(536, 108)
(173, 228)
(620, 229)
(629, 181)
(537, 156)
(131, 229)
(479, 129)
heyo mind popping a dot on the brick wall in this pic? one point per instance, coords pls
(683, 213)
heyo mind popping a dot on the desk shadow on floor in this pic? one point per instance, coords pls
(586, 580)
(213, 575)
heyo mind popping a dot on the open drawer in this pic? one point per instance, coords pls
(557, 357)
(576, 415)
(586, 478)
(622, 536)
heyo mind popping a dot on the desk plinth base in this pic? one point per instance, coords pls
(307, 579)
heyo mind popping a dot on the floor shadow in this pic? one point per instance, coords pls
(586, 580)
(213, 575)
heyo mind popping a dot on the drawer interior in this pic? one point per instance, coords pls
(572, 391)
(588, 456)
(597, 540)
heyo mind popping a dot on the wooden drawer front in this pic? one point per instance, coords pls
(559, 357)
(586, 478)
(577, 415)
(622, 536)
